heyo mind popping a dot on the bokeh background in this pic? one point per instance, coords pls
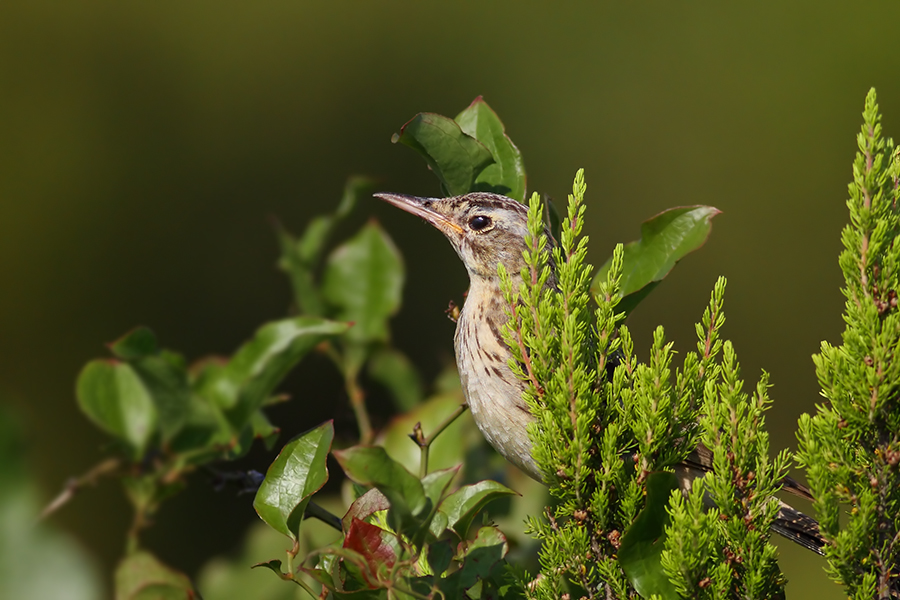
(146, 146)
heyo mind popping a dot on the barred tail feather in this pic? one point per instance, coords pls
(799, 528)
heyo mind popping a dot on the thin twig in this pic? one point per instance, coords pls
(354, 392)
(520, 341)
(424, 443)
(358, 403)
(74, 485)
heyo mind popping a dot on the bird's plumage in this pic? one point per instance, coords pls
(486, 230)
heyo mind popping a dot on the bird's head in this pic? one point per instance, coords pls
(484, 228)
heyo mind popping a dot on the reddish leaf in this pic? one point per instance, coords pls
(376, 545)
(363, 507)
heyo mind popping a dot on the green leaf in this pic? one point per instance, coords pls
(461, 506)
(456, 158)
(437, 482)
(165, 377)
(297, 473)
(365, 506)
(259, 428)
(440, 555)
(363, 281)
(507, 174)
(644, 542)
(250, 377)
(350, 570)
(141, 576)
(137, 343)
(113, 396)
(370, 465)
(300, 257)
(263, 429)
(320, 576)
(36, 560)
(450, 585)
(273, 565)
(665, 239)
(435, 485)
(482, 554)
(302, 274)
(204, 427)
(312, 243)
(392, 369)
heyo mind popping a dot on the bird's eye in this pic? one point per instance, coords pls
(479, 222)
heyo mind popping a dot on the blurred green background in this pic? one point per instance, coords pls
(146, 146)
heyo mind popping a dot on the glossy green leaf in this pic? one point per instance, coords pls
(363, 281)
(113, 396)
(392, 369)
(370, 465)
(137, 343)
(436, 483)
(507, 174)
(141, 576)
(250, 377)
(456, 158)
(461, 506)
(297, 473)
(665, 239)
(482, 554)
(438, 524)
(644, 542)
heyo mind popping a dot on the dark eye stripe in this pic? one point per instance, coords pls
(479, 222)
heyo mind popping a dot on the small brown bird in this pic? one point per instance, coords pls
(486, 230)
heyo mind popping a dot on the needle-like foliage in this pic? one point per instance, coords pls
(605, 423)
(851, 446)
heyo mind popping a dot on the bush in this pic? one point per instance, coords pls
(634, 508)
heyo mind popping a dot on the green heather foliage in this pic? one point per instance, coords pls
(851, 447)
(608, 426)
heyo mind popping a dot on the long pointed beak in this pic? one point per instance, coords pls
(417, 206)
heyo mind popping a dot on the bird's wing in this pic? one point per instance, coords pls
(790, 522)
(701, 459)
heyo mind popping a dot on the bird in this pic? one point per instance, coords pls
(487, 230)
